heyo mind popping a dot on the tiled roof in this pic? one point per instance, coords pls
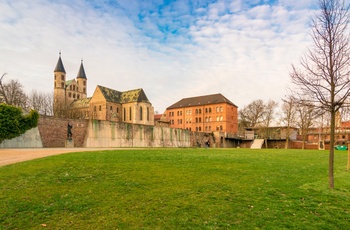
(59, 66)
(80, 103)
(69, 82)
(81, 73)
(110, 94)
(137, 95)
(201, 100)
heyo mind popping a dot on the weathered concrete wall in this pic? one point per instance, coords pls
(112, 134)
(53, 131)
(30, 139)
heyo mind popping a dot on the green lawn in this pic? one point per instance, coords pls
(177, 189)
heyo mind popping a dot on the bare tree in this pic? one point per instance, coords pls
(288, 117)
(306, 115)
(267, 118)
(41, 102)
(12, 93)
(252, 114)
(324, 75)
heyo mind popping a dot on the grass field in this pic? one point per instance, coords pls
(177, 189)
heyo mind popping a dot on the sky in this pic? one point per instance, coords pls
(242, 49)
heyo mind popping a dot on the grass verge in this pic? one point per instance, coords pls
(176, 189)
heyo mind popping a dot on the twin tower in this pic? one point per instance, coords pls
(66, 91)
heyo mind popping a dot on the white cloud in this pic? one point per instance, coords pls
(243, 53)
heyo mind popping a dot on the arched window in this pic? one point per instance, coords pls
(196, 111)
(141, 112)
(200, 111)
(147, 114)
(130, 113)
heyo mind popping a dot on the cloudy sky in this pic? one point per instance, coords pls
(172, 49)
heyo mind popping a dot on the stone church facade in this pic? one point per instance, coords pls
(71, 101)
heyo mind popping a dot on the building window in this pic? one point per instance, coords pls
(209, 110)
(147, 114)
(78, 96)
(69, 94)
(220, 127)
(196, 129)
(200, 129)
(209, 119)
(196, 111)
(141, 113)
(200, 119)
(206, 110)
(196, 119)
(111, 108)
(73, 95)
(100, 108)
(117, 110)
(220, 118)
(200, 111)
(62, 85)
(84, 83)
(217, 128)
(221, 109)
(62, 77)
(169, 114)
(209, 128)
(217, 109)
(130, 113)
(217, 118)
(95, 108)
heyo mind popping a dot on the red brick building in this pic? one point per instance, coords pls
(207, 113)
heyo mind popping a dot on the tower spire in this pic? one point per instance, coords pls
(59, 66)
(81, 73)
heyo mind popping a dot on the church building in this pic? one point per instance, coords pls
(71, 101)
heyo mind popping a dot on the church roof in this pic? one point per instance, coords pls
(80, 103)
(201, 100)
(110, 94)
(59, 66)
(136, 95)
(81, 73)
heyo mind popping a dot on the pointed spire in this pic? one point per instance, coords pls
(81, 73)
(59, 66)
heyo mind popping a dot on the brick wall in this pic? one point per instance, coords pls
(53, 131)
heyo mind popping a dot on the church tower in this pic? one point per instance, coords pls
(59, 98)
(82, 81)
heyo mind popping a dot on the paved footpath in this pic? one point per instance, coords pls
(10, 156)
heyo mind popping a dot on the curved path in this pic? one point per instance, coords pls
(10, 156)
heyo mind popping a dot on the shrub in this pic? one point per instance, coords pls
(13, 122)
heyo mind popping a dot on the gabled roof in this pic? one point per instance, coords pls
(59, 66)
(111, 95)
(81, 73)
(69, 82)
(201, 100)
(80, 103)
(136, 95)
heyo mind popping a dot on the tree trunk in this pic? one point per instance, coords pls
(331, 152)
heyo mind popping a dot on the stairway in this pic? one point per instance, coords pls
(257, 144)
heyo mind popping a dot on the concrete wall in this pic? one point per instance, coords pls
(113, 134)
(30, 139)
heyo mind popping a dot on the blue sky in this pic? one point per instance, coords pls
(171, 49)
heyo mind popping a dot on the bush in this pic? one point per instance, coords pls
(13, 122)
